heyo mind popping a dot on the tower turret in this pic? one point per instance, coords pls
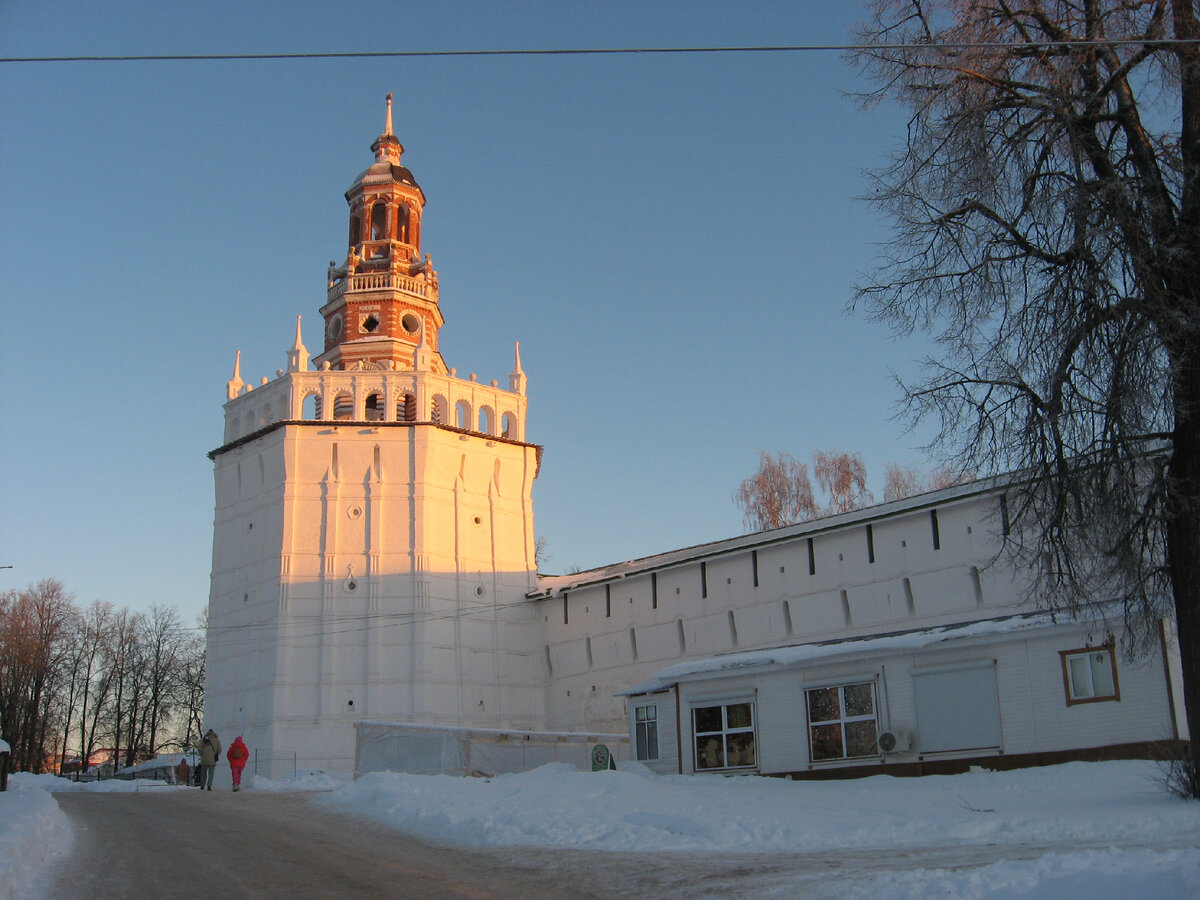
(383, 300)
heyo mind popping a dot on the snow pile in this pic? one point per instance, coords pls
(558, 806)
(307, 781)
(33, 830)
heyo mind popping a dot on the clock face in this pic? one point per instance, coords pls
(334, 328)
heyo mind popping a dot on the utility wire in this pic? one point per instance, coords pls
(602, 51)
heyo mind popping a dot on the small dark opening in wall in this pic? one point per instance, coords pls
(937, 535)
(370, 323)
(754, 566)
(812, 558)
(654, 590)
(703, 579)
(870, 544)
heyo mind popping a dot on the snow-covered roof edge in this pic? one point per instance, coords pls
(555, 585)
(797, 654)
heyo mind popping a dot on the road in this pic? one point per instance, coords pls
(171, 843)
(186, 843)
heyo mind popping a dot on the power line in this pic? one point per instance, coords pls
(602, 51)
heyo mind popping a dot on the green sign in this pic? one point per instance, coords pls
(601, 759)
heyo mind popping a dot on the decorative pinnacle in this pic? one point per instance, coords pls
(387, 128)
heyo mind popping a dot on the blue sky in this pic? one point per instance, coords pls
(672, 239)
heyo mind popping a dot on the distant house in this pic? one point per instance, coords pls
(160, 768)
(100, 764)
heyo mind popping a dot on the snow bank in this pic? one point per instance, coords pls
(33, 830)
(306, 781)
(557, 806)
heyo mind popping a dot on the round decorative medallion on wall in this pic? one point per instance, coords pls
(411, 323)
(335, 328)
(354, 512)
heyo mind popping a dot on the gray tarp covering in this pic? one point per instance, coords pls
(447, 750)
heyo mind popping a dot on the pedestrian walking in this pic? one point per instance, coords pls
(210, 752)
(237, 756)
(183, 772)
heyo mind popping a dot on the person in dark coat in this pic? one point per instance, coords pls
(237, 755)
(183, 772)
(210, 752)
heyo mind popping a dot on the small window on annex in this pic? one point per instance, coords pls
(841, 721)
(724, 737)
(1090, 675)
(645, 727)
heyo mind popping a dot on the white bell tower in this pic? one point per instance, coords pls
(373, 539)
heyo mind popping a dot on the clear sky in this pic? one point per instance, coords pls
(672, 238)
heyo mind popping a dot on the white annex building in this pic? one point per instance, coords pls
(374, 576)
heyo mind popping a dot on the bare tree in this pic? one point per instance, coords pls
(907, 481)
(843, 476)
(1046, 210)
(34, 631)
(779, 493)
(902, 481)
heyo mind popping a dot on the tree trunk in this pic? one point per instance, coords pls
(1183, 547)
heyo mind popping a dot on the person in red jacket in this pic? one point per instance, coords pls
(237, 754)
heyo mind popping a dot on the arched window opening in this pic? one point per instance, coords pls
(379, 222)
(343, 406)
(508, 426)
(437, 414)
(355, 230)
(406, 408)
(374, 410)
(311, 408)
(462, 414)
(485, 421)
(402, 223)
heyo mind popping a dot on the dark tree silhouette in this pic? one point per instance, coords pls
(1046, 213)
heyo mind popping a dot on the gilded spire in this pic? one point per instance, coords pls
(387, 146)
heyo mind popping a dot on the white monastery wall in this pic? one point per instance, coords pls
(860, 573)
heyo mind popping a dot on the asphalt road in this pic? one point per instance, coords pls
(186, 843)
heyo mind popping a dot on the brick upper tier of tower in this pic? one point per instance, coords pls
(383, 301)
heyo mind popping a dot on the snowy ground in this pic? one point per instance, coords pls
(1080, 830)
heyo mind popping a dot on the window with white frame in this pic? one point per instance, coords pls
(1090, 674)
(841, 721)
(645, 728)
(724, 736)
